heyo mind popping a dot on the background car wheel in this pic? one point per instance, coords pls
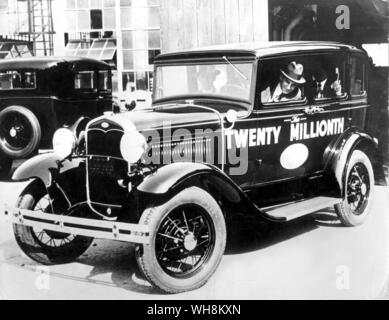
(187, 241)
(358, 190)
(5, 166)
(20, 132)
(44, 246)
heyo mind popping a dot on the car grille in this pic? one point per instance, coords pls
(104, 143)
(105, 167)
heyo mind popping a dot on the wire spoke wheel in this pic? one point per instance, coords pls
(187, 241)
(47, 237)
(45, 246)
(184, 240)
(358, 190)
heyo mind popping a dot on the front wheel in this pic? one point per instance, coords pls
(44, 246)
(187, 241)
(357, 190)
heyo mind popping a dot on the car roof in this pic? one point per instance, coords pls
(259, 49)
(41, 63)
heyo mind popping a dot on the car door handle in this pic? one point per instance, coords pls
(313, 110)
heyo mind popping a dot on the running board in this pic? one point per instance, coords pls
(297, 209)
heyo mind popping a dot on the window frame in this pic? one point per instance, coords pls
(22, 79)
(260, 106)
(101, 17)
(94, 87)
(109, 79)
(274, 105)
(207, 61)
(345, 95)
(359, 57)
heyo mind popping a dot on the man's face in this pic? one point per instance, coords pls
(287, 86)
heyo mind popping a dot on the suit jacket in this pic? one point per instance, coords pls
(272, 94)
(323, 91)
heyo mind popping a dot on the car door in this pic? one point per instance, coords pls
(294, 134)
(328, 113)
(92, 93)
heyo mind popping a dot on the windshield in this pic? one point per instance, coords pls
(225, 80)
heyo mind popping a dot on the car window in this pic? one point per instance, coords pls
(84, 80)
(358, 76)
(104, 81)
(29, 79)
(326, 75)
(14, 79)
(282, 80)
(227, 80)
(292, 80)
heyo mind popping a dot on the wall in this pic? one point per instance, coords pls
(195, 23)
(13, 17)
(59, 25)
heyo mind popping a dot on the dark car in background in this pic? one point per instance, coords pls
(40, 95)
(249, 134)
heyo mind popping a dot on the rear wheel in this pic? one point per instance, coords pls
(358, 190)
(20, 132)
(44, 246)
(187, 241)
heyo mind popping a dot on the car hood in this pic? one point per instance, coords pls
(144, 120)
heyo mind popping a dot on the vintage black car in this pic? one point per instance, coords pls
(40, 95)
(270, 131)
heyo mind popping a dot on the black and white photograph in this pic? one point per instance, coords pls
(197, 150)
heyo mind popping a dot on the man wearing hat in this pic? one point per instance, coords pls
(322, 86)
(288, 86)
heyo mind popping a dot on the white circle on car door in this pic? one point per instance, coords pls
(294, 156)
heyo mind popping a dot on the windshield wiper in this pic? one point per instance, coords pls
(235, 68)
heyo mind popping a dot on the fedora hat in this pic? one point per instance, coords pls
(320, 75)
(294, 72)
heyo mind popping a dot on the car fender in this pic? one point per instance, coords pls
(43, 167)
(171, 179)
(167, 176)
(338, 154)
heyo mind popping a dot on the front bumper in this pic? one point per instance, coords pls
(128, 232)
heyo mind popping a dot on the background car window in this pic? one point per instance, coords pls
(84, 80)
(358, 75)
(29, 80)
(104, 83)
(13, 79)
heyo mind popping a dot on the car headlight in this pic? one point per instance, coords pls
(132, 146)
(64, 142)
